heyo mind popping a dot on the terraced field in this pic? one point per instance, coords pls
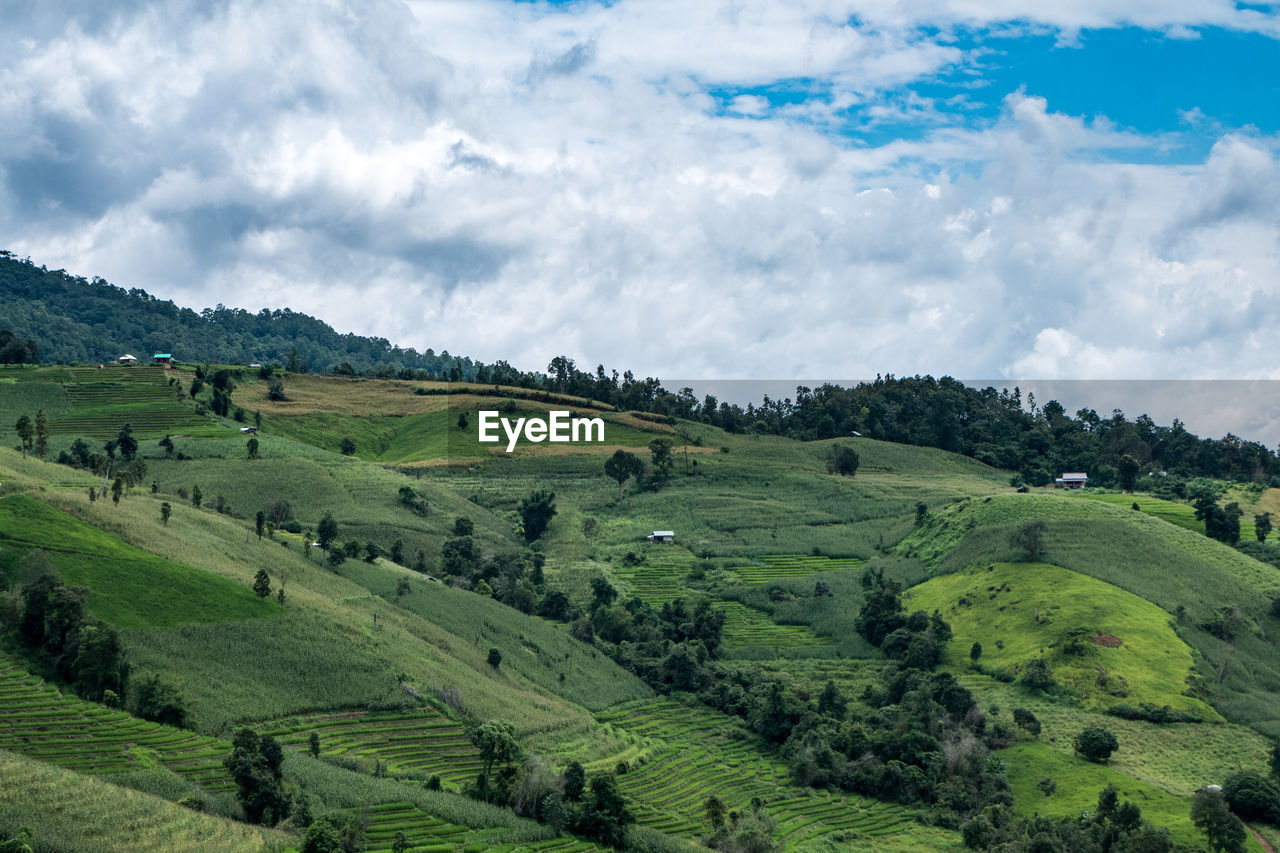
(777, 566)
(427, 834)
(662, 578)
(707, 753)
(423, 743)
(745, 626)
(37, 721)
(102, 401)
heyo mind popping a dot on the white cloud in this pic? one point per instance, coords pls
(507, 181)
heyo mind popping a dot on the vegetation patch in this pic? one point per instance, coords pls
(1017, 612)
(128, 586)
(1076, 784)
(70, 811)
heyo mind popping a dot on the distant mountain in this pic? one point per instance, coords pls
(73, 319)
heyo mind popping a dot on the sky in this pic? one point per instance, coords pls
(722, 188)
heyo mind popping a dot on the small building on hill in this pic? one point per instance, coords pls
(1071, 481)
(126, 359)
(163, 358)
(666, 536)
(249, 430)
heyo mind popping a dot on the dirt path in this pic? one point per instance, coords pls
(1265, 846)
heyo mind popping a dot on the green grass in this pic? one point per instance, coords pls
(1183, 515)
(128, 587)
(70, 811)
(433, 436)
(1019, 611)
(1151, 558)
(695, 752)
(531, 647)
(1078, 784)
(338, 646)
(37, 721)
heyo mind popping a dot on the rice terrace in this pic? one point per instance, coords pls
(259, 601)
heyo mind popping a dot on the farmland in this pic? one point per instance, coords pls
(37, 721)
(71, 811)
(392, 672)
(128, 587)
(707, 755)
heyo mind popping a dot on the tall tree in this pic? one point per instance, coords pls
(327, 531)
(1127, 468)
(496, 741)
(621, 465)
(536, 511)
(26, 432)
(1223, 830)
(165, 512)
(260, 524)
(660, 448)
(1262, 526)
(42, 434)
(262, 584)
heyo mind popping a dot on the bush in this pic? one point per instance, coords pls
(1096, 744)
(1162, 715)
(1252, 796)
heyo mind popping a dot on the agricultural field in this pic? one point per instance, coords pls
(705, 753)
(71, 811)
(390, 680)
(1183, 515)
(530, 646)
(94, 404)
(1078, 783)
(37, 721)
(1186, 574)
(420, 743)
(128, 587)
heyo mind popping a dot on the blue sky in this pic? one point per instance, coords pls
(733, 188)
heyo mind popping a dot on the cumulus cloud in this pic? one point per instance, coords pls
(512, 180)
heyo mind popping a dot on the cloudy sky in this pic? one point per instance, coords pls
(717, 188)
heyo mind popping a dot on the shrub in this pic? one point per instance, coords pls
(1095, 744)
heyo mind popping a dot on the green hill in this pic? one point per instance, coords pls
(1127, 607)
(1108, 645)
(1219, 598)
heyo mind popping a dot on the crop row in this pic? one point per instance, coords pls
(775, 567)
(418, 743)
(711, 754)
(744, 626)
(427, 834)
(38, 721)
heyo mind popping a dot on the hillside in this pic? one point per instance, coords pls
(72, 319)
(679, 671)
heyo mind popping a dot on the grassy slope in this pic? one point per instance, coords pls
(1078, 784)
(1158, 561)
(95, 404)
(1019, 611)
(128, 587)
(72, 812)
(763, 496)
(323, 609)
(549, 658)
(1183, 515)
